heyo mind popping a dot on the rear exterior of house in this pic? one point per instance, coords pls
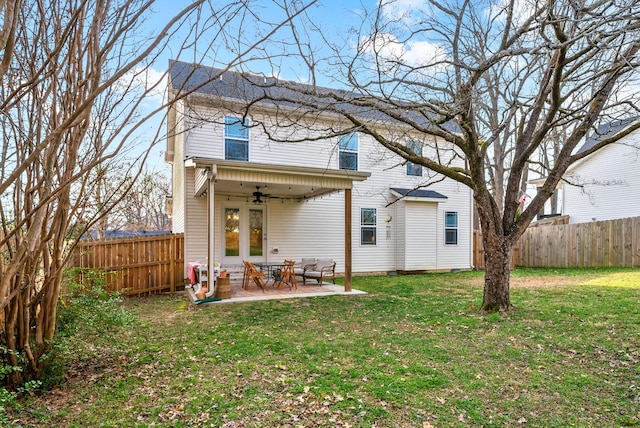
(240, 195)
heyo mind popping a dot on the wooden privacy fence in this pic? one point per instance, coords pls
(478, 252)
(135, 266)
(611, 243)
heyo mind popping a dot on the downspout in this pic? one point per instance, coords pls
(471, 241)
(440, 238)
(212, 172)
(394, 236)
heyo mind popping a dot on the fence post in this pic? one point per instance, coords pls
(172, 264)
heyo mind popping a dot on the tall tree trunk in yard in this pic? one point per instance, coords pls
(497, 263)
(498, 246)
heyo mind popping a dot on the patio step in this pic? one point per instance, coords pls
(235, 272)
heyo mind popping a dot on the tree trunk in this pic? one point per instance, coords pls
(497, 261)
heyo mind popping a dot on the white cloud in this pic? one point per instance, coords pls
(153, 81)
(144, 81)
(404, 10)
(387, 49)
(522, 10)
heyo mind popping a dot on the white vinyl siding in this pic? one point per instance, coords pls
(177, 192)
(609, 184)
(207, 141)
(316, 228)
(195, 232)
(420, 229)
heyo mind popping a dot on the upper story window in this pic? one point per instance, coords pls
(368, 226)
(349, 151)
(236, 138)
(451, 228)
(414, 169)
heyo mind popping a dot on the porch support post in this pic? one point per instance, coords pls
(347, 239)
(210, 230)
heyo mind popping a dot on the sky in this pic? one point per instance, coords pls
(334, 19)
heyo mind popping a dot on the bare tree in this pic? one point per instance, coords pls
(70, 105)
(142, 208)
(120, 198)
(493, 82)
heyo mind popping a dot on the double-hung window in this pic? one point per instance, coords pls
(368, 226)
(414, 169)
(451, 228)
(349, 151)
(236, 138)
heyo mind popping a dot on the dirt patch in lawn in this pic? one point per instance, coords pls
(531, 282)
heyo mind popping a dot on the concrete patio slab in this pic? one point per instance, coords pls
(239, 295)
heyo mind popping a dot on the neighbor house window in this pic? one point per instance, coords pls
(349, 151)
(451, 228)
(236, 138)
(368, 226)
(414, 169)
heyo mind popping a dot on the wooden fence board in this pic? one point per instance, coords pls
(136, 266)
(613, 243)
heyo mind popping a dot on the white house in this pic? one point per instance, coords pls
(606, 184)
(238, 194)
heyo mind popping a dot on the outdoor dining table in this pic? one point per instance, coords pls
(272, 269)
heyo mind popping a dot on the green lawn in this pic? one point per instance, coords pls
(414, 352)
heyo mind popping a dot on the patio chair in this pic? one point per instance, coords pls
(305, 264)
(256, 276)
(246, 284)
(324, 269)
(288, 275)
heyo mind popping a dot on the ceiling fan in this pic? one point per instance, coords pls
(258, 195)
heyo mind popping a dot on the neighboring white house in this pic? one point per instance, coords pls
(606, 184)
(239, 195)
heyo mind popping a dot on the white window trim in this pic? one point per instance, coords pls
(456, 228)
(409, 163)
(225, 137)
(341, 150)
(373, 226)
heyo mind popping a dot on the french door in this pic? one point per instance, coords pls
(244, 235)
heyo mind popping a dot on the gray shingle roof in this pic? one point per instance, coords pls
(606, 130)
(419, 193)
(251, 88)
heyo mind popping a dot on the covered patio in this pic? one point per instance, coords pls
(258, 183)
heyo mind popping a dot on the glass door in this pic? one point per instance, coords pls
(244, 235)
(231, 232)
(256, 233)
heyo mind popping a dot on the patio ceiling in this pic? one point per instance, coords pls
(295, 183)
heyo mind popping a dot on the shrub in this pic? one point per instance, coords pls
(9, 398)
(89, 306)
(88, 313)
